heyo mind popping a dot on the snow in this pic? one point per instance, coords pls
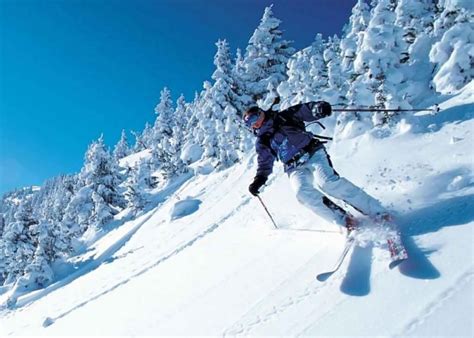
(206, 259)
(185, 208)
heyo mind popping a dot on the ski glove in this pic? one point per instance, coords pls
(257, 183)
(321, 109)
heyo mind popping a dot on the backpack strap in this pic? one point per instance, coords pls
(266, 140)
(286, 119)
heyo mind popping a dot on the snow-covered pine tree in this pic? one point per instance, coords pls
(63, 194)
(336, 85)
(318, 69)
(205, 132)
(378, 62)
(294, 89)
(415, 17)
(179, 134)
(446, 12)
(350, 45)
(181, 122)
(138, 183)
(353, 35)
(2, 223)
(144, 139)
(193, 143)
(42, 200)
(307, 76)
(221, 109)
(243, 101)
(266, 57)
(164, 154)
(121, 149)
(453, 54)
(98, 199)
(78, 213)
(38, 273)
(164, 121)
(18, 243)
(100, 172)
(3, 262)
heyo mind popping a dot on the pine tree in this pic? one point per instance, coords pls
(415, 17)
(308, 79)
(164, 120)
(62, 196)
(243, 101)
(192, 148)
(18, 242)
(121, 149)
(453, 54)
(353, 37)
(266, 57)
(318, 70)
(99, 198)
(221, 110)
(2, 224)
(337, 86)
(100, 172)
(294, 90)
(38, 273)
(137, 184)
(378, 62)
(164, 152)
(179, 135)
(144, 139)
(78, 213)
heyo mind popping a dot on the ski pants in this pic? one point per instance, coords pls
(316, 179)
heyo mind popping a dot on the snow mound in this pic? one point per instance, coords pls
(185, 208)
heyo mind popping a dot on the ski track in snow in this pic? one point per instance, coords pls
(89, 267)
(438, 302)
(265, 312)
(50, 320)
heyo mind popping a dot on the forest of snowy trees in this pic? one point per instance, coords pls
(391, 54)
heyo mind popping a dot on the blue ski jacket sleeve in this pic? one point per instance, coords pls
(286, 141)
(306, 112)
(265, 156)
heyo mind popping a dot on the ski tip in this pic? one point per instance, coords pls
(322, 277)
(396, 263)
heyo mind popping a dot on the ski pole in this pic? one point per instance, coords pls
(268, 212)
(367, 109)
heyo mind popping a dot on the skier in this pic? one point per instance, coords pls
(283, 136)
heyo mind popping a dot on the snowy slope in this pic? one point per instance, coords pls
(207, 261)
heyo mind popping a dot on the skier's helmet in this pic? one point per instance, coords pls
(254, 117)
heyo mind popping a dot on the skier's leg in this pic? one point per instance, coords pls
(336, 186)
(301, 180)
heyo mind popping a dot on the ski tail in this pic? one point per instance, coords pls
(398, 252)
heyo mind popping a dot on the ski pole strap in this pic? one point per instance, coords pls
(268, 212)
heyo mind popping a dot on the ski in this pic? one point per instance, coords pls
(322, 277)
(398, 252)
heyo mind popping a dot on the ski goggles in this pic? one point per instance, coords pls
(254, 120)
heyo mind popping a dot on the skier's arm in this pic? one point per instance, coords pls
(265, 160)
(310, 111)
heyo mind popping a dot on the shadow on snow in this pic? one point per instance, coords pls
(445, 213)
(19, 299)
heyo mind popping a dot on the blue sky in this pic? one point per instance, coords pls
(73, 69)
